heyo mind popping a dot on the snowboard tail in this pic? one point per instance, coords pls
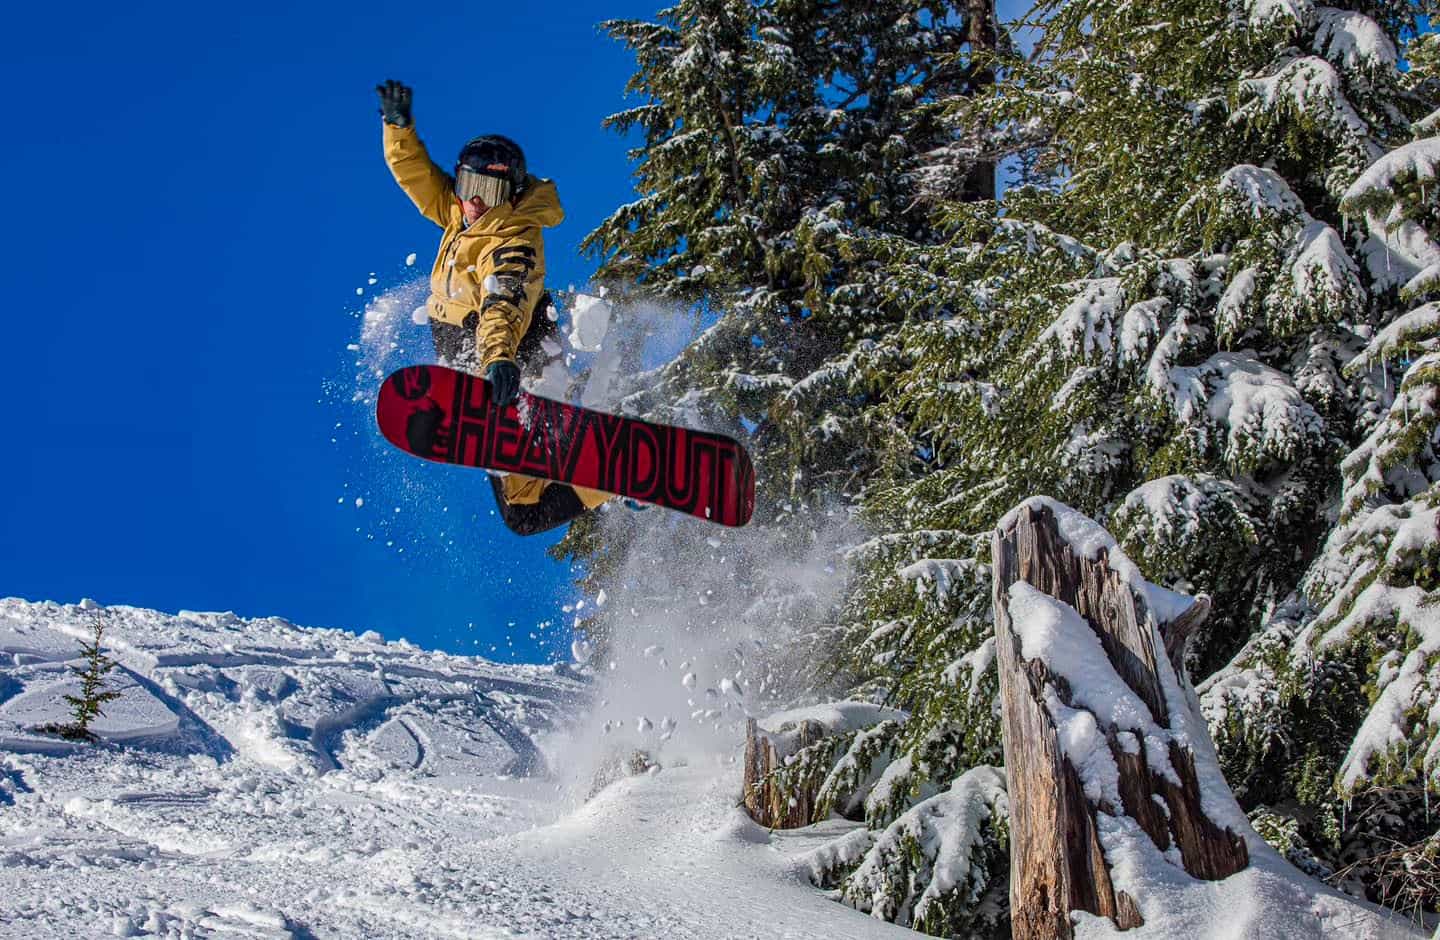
(447, 416)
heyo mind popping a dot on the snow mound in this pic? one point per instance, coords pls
(259, 779)
(835, 717)
(285, 696)
(23, 642)
(135, 714)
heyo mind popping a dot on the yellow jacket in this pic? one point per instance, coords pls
(487, 277)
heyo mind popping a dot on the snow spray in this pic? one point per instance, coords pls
(704, 631)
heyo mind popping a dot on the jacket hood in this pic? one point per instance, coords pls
(541, 203)
(538, 207)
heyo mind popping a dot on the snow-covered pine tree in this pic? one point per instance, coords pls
(789, 150)
(1328, 712)
(773, 136)
(741, 158)
(1162, 338)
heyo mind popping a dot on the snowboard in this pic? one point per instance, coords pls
(445, 415)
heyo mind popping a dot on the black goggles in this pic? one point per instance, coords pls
(492, 186)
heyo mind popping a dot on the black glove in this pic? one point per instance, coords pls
(394, 103)
(504, 379)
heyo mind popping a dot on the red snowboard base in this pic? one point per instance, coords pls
(447, 416)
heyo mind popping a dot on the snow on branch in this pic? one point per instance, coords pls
(976, 663)
(1236, 303)
(1263, 190)
(1390, 195)
(1352, 40)
(1428, 125)
(940, 576)
(846, 373)
(1400, 458)
(1141, 328)
(1249, 411)
(1317, 282)
(1310, 89)
(1085, 328)
(1038, 239)
(1186, 513)
(1375, 577)
(1296, 14)
(1321, 272)
(939, 846)
(912, 543)
(758, 383)
(1308, 86)
(1417, 162)
(1418, 329)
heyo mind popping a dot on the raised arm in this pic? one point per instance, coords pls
(427, 185)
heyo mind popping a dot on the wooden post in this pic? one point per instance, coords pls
(1057, 864)
(767, 804)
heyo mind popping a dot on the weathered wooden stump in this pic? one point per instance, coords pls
(766, 803)
(1058, 864)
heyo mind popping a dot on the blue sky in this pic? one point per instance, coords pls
(193, 196)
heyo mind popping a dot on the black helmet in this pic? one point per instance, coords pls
(487, 153)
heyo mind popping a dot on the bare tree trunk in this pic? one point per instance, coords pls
(983, 39)
(1057, 862)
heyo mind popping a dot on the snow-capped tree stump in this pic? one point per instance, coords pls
(766, 802)
(1132, 766)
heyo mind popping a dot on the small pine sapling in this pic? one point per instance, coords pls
(88, 705)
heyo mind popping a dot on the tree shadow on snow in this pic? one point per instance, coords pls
(11, 783)
(194, 735)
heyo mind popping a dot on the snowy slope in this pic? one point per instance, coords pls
(259, 779)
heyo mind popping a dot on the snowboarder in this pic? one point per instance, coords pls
(487, 288)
